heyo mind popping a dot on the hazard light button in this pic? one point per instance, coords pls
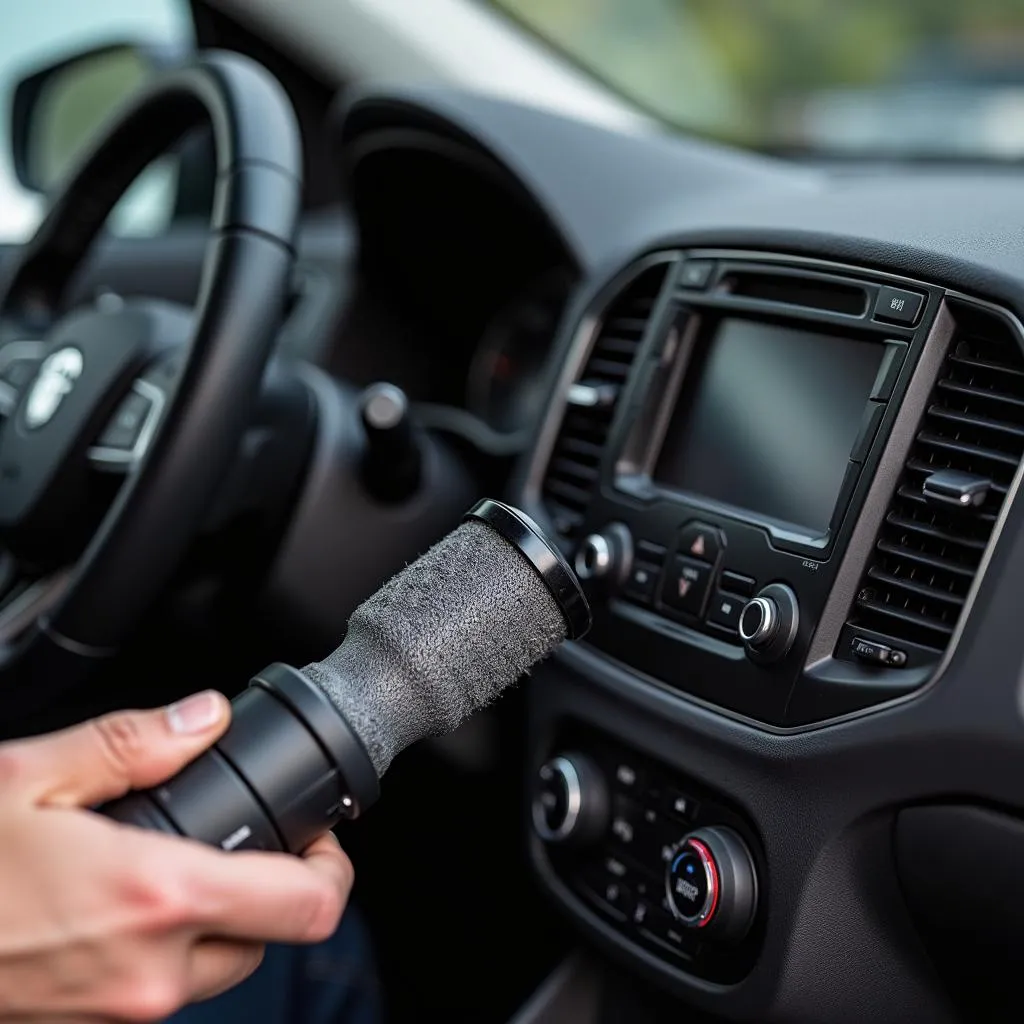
(686, 586)
(700, 541)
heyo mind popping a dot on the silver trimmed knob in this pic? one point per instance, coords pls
(594, 558)
(759, 621)
(769, 623)
(570, 801)
(711, 884)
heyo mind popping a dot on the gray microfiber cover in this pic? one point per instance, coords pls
(440, 640)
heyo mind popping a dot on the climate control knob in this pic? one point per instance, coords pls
(768, 623)
(570, 800)
(605, 557)
(711, 884)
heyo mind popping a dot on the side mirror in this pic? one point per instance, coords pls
(58, 109)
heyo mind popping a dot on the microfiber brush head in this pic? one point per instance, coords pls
(451, 631)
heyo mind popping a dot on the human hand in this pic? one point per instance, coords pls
(103, 922)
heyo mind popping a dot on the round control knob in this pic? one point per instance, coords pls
(393, 460)
(570, 803)
(711, 884)
(594, 557)
(769, 623)
(605, 556)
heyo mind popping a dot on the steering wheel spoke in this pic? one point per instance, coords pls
(19, 361)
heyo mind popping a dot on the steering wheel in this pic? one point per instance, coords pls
(137, 398)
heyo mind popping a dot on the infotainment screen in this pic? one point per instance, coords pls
(768, 421)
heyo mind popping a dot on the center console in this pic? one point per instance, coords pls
(780, 480)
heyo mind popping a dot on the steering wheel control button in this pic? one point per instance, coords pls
(126, 439)
(701, 542)
(711, 884)
(686, 585)
(724, 611)
(126, 426)
(896, 306)
(570, 802)
(768, 624)
(696, 273)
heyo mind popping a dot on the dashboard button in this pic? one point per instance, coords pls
(679, 805)
(701, 542)
(724, 611)
(737, 583)
(696, 273)
(642, 582)
(627, 776)
(686, 585)
(898, 306)
(876, 653)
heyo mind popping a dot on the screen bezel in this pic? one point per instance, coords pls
(691, 332)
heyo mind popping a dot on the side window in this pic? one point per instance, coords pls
(39, 33)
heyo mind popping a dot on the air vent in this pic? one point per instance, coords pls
(928, 554)
(572, 473)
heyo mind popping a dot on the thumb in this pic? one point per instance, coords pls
(106, 757)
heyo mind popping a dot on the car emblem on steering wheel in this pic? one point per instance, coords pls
(56, 378)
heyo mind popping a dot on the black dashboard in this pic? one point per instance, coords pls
(779, 429)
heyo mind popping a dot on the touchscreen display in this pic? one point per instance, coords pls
(769, 420)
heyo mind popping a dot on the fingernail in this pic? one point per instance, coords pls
(195, 714)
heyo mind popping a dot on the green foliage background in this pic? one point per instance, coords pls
(730, 67)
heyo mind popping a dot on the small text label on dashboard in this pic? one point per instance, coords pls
(811, 566)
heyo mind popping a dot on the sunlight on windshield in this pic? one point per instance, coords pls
(900, 77)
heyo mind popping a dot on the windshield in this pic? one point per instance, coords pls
(910, 78)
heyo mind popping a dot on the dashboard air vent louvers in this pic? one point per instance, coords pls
(927, 554)
(572, 473)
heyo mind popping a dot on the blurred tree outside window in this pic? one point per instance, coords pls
(928, 78)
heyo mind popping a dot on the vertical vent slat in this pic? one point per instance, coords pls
(926, 557)
(572, 473)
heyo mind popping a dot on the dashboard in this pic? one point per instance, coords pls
(779, 429)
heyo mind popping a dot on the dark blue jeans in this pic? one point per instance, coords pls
(332, 983)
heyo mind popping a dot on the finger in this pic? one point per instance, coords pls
(217, 966)
(269, 897)
(108, 756)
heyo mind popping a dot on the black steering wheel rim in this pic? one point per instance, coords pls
(246, 276)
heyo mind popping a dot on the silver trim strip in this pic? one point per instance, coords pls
(118, 459)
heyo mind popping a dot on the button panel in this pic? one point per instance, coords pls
(622, 876)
